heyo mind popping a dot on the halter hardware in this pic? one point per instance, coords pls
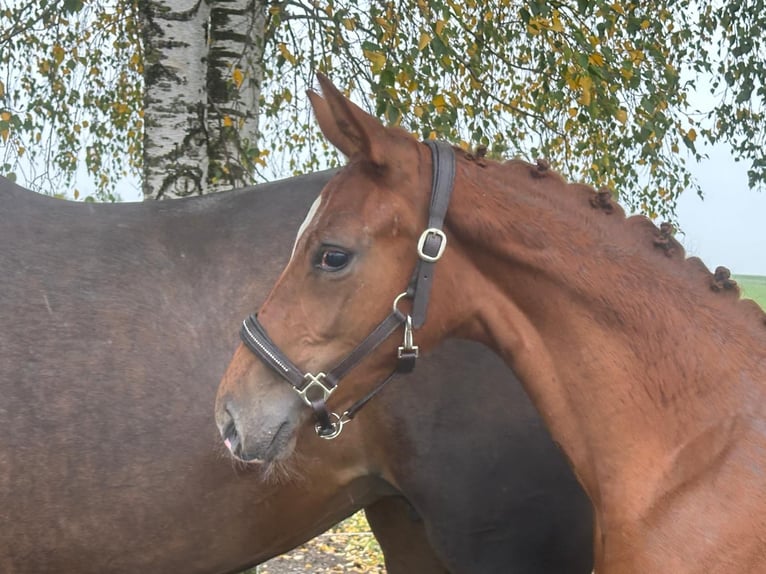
(408, 346)
(314, 382)
(427, 242)
(431, 246)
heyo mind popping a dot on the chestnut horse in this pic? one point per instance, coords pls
(648, 370)
(115, 322)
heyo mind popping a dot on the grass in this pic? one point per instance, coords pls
(753, 287)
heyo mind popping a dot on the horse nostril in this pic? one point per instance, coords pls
(231, 437)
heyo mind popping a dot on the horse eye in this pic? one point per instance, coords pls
(334, 259)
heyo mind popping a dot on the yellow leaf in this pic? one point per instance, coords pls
(557, 26)
(5, 116)
(645, 24)
(238, 77)
(58, 54)
(596, 59)
(691, 135)
(227, 121)
(349, 24)
(20, 151)
(286, 54)
(432, 135)
(76, 193)
(425, 39)
(572, 112)
(439, 103)
(2, 89)
(621, 115)
(439, 27)
(377, 59)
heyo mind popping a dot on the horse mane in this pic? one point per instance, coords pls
(719, 283)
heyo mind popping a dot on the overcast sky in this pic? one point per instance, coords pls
(729, 227)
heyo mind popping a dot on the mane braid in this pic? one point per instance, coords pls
(645, 231)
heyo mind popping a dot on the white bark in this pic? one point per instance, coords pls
(203, 78)
(175, 143)
(235, 76)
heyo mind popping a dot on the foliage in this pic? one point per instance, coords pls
(70, 92)
(599, 88)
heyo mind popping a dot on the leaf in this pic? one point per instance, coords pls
(425, 39)
(227, 121)
(439, 28)
(58, 54)
(377, 59)
(71, 6)
(238, 77)
(286, 54)
(621, 115)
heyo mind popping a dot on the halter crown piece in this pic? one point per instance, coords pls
(314, 389)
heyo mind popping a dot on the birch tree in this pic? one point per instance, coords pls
(202, 82)
(205, 95)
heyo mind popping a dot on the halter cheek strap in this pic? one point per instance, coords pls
(315, 389)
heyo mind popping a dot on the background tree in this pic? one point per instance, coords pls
(599, 88)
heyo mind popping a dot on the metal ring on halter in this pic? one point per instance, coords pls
(336, 427)
(399, 297)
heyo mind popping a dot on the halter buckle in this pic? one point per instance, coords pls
(424, 243)
(314, 381)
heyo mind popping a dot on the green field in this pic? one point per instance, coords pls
(753, 287)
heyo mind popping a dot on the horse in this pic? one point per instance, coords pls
(116, 322)
(648, 370)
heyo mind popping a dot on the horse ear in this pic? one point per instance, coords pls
(348, 127)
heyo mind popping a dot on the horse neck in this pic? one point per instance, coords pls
(618, 348)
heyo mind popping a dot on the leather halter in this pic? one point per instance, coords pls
(315, 389)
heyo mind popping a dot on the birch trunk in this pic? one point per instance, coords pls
(175, 147)
(203, 77)
(235, 76)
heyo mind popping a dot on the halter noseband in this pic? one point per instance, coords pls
(315, 389)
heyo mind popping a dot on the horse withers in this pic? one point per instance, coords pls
(647, 370)
(115, 321)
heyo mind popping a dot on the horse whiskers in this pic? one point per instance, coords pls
(283, 471)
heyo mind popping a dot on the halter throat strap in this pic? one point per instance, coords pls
(315, 389)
